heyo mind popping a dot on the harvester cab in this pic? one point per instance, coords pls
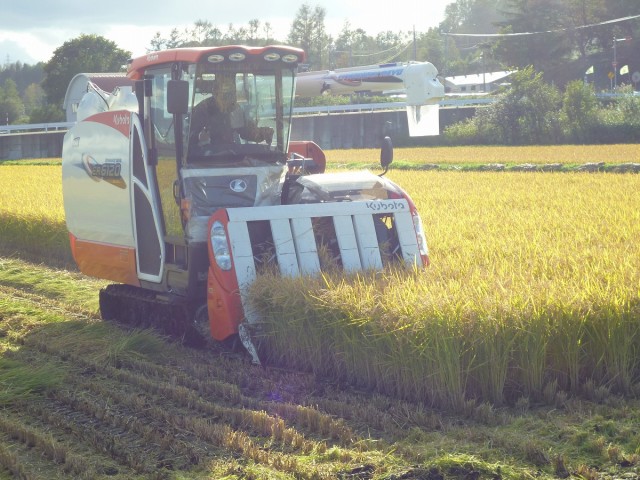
(185, 190)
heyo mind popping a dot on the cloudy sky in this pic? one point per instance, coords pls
(30, 30)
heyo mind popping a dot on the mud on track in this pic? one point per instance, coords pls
(122, 404)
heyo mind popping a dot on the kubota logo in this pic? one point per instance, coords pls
(121, 119)
(109, 171)
(238, 185)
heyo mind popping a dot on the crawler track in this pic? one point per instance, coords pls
(141, 308)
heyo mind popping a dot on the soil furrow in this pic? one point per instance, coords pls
(115, 443)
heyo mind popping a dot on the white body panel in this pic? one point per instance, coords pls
(99, 190)
(96, 180)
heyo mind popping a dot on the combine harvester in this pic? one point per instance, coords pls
(184, 188)
(416, 80)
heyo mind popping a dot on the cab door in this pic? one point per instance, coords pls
(147, 218)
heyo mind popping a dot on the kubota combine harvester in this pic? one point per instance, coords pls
(185, 188)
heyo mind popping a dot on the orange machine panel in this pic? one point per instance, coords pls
(309, 149)
(110, 262)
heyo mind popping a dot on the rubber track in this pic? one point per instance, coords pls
(141, 308)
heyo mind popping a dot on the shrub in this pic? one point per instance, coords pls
(579, 108)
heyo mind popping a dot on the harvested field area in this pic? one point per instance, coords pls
(87, 399)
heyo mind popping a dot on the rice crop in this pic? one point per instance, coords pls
(537, 155)
(32, 214)
(533, 290)
(534, 286)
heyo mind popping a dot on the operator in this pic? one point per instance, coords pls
(215, 120)
(219, 119)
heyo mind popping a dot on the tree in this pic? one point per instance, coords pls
(580, 13)
(203, 33)
(527, 113)
(579, 107)
(473, 16)
(33, 98)
(462, 55)
(160, 43)
(532, 17)
(22, 73)
(308, 32)
(430, 48)
(86, 53)
(349, 43)
(267, 29)
(11, 107)
(47, 114)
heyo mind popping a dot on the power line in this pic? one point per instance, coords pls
(396, 46)
(388, 59)
(523, 34)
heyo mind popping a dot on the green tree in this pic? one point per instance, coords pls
(541, 50)
(580, 109)
(585, 12)
(22, 73)
(86, 53)
(473, 16)
(11, 106)
(349, 46)
(435, 48)
(46, 114)
(204, 34)
(462, 55)
(33, 98)
(158, 42)
(308, 32)
(526, 114)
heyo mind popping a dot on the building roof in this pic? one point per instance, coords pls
(477, 79)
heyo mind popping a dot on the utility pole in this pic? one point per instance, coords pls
(615, 64)
(415, 47)
(484, 72)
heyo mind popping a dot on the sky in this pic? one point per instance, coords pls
(30, 30)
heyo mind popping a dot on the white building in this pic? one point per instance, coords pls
(477, 83)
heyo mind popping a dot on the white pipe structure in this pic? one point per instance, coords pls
(417, 80)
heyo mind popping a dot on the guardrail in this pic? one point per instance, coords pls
(316, 110)
(34, 128)
(369, 107)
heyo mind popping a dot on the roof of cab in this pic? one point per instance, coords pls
(138, 65)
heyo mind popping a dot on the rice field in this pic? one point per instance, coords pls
(531, 304)
(533, 290)
(479, 155)
(32, 214)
